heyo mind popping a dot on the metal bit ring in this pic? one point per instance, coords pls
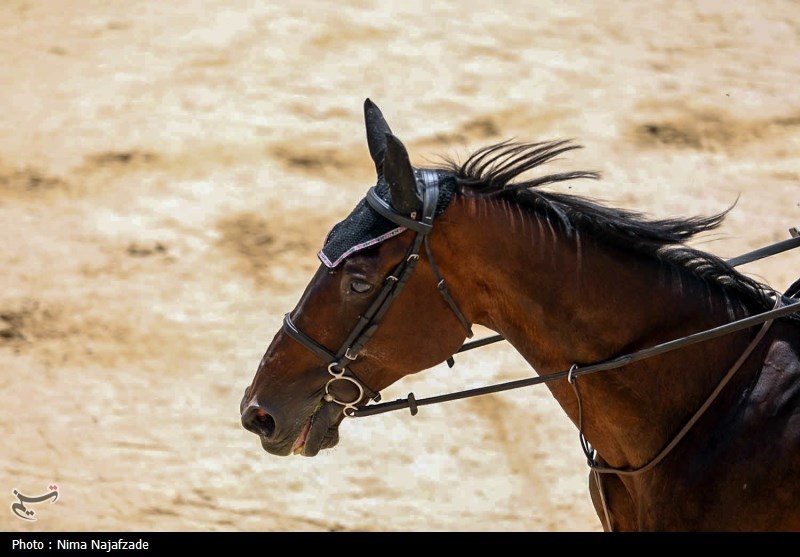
(340, 376)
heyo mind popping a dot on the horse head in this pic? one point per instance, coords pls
(371, 314)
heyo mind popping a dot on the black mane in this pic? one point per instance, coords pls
(493, 170)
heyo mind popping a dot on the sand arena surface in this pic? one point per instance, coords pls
(168, 171)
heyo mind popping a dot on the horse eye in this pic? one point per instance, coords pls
(360, 287)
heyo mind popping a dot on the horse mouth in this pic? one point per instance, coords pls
(320, 431)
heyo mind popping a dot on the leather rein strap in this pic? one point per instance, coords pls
(591, 454)
(575, 371)
(393, 284)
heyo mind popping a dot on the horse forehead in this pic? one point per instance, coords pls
(364, 227)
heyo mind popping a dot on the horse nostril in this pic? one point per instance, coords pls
(265, 422)
(258, 421)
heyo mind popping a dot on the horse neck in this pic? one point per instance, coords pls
(563, 298)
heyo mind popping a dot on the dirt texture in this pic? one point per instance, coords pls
(168, 171)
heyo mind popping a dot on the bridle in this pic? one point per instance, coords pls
(337, 362)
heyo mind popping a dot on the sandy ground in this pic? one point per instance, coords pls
(168, 171)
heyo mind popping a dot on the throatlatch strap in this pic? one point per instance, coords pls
(440, 284)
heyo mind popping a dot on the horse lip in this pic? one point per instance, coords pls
(321, 430)
(300, 442)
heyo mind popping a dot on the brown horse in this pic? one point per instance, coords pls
(706, 437)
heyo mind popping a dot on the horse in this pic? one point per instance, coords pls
(705, 437)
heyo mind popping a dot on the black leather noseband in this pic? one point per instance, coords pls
(392, 286)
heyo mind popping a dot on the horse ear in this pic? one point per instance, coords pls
(399, 175)
(377, 128)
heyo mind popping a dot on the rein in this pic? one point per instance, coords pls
(575, 371)
(591, 454)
